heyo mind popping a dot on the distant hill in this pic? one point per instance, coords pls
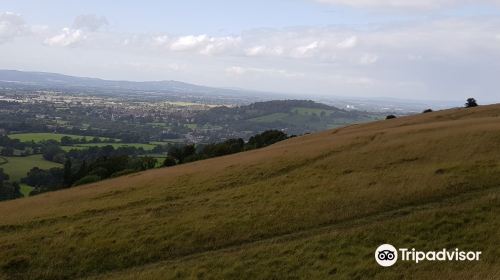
(181, 91)
(311, 207)
(292, 116)
(59, 81)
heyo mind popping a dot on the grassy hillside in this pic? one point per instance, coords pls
(313, 207)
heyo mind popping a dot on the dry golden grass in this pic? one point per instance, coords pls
(310, 207)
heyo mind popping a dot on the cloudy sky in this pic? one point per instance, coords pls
(419, 49)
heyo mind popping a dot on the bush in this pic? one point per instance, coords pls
(169, 161)
(471, 102)
(52, 151)
(7, 151)
(87, 180)
(390, 117)
(427, 111)
(265, 139)
(123, 173)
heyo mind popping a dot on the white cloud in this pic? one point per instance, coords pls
(83, 28)
(221, 45)
(255, 71)
(67, 38)
(201, 44)
(161, 40)
(187, 43)
(306, 50)
(406, 4)
(236, 70)
(367, 59)
(348, 43)
(264, 51)
(11, 26)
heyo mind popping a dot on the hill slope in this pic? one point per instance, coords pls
(291, 116)
(13, 78)
(312, 207)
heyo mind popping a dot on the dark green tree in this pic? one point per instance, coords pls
(471, 102)
(8, 190)
(66, 141)
(169, 161)
(3, 177)
(52, 152)
(7, 151)
(68, 173)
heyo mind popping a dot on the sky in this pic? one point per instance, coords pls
(409, 49)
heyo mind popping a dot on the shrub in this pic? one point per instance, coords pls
(266, 138)
(123, 172)
(87, 180)
(169, 161)
(471, 102)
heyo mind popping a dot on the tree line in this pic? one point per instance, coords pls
(8, 190)
(99, 163)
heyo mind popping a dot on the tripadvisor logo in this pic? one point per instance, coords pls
(387, 255)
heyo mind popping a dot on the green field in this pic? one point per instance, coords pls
(191, 125)
(17, 167)
(39, 137)
(311, 111)
(146, 147)
(271, 118)
(69, 148)
(26, 190)
(156, 124)
(168, 141)
(297, 115)
(160, 161)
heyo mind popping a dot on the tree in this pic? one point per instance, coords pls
(3, 177)
(266, 138)
(176, 153)
(169, 161)
(148, 163)
(68, 174)
(7, 151)
(52, 152)
(44, 180)
(87, 180)
(188, 150)
(471, 102)
(9, 190)
(151, 162)
(66, 141)
(181, 153)
(82, 170)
